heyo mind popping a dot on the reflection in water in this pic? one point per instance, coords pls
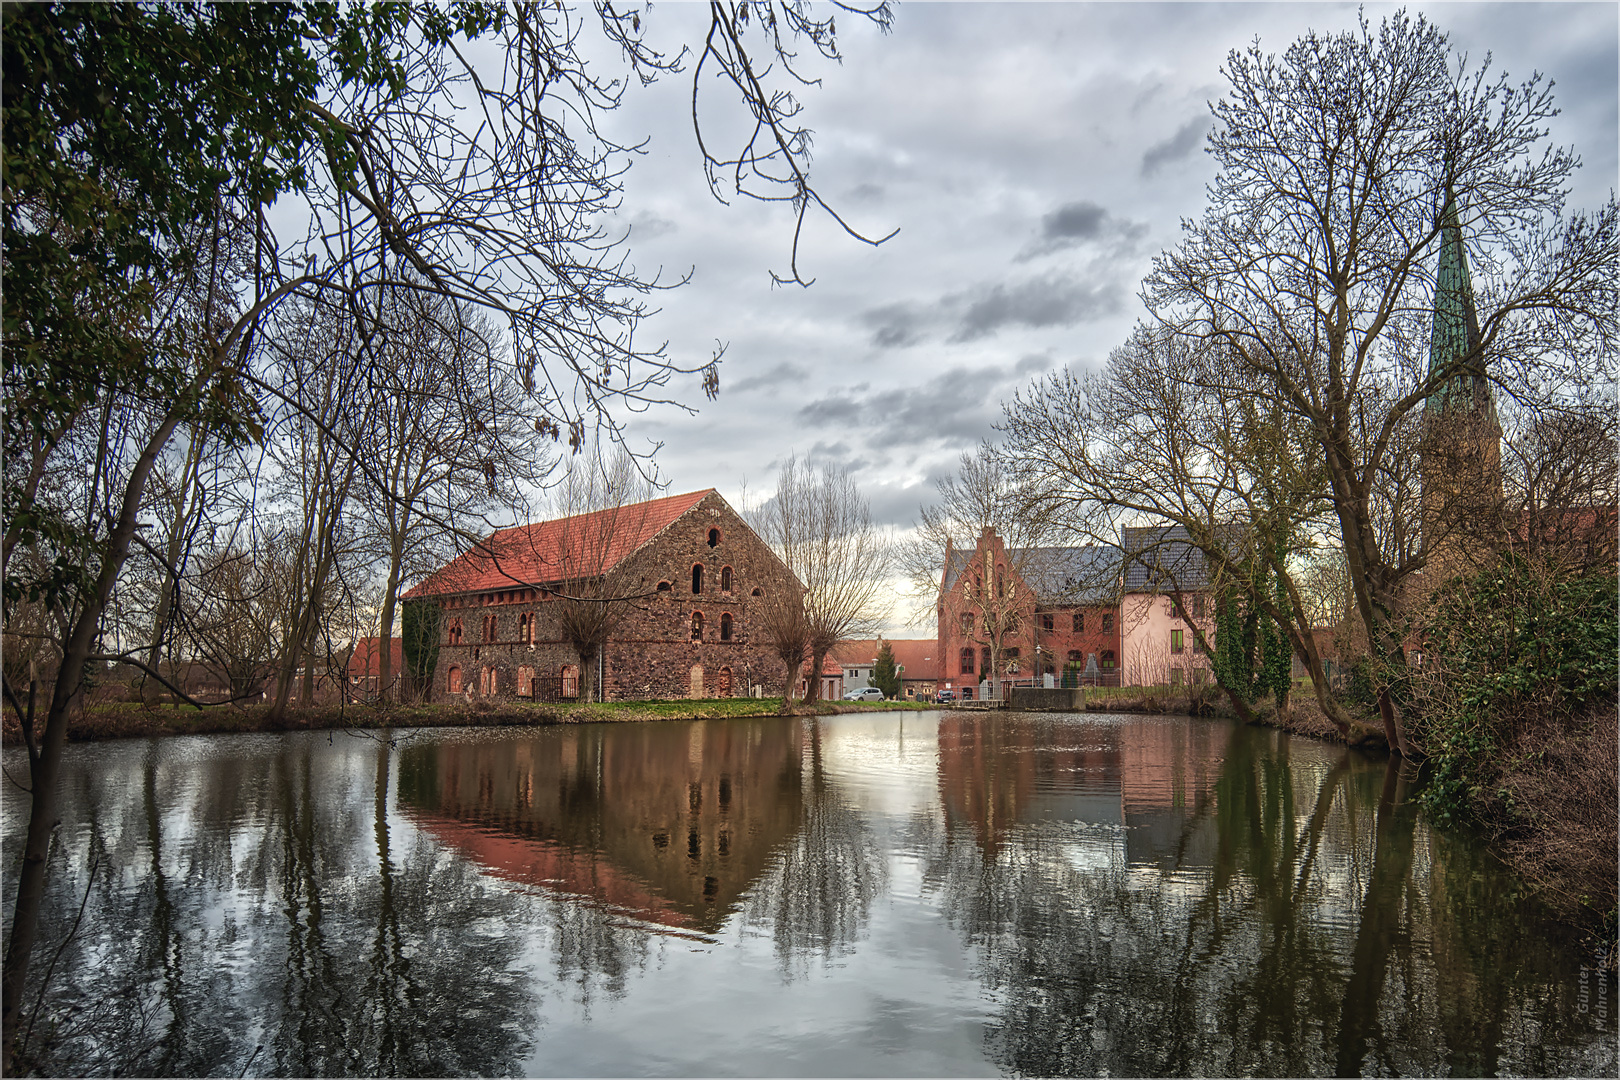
(1181, 899)
(870, 895)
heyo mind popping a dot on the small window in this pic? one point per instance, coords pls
(1074, 656)
(455, 639)
(665, 586)
(1046, 622)
(697, 579)
(1198, 606)
(1175, 676)
(967, 661)
(1079, 622)
(725, 626)
(1108, 623)
(455, 680)
(757, 592)
(1108, 659)
(697, 626)
(1013, 654)
(984, 661)
(714, 538)
(1001, 580)
(725, 579)
(967, 625)
(1175, 641)
(491, 626)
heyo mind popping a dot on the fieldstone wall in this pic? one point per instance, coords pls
(653, 653)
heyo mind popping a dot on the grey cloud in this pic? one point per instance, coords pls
(1049, 300)
(1177, 146)
(646, 226)
(1078, 223)
(776, 377)
(868, 193)
(895, 325)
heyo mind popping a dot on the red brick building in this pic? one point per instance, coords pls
(1020, 613)
(365, 666)
(689, 580)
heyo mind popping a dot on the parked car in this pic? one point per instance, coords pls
(865, 693)
(945, 697)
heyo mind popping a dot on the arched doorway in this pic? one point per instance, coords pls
(696, 688)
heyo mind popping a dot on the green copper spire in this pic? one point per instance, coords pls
(1456, 326)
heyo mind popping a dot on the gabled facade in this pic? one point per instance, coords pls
(1165, 577)
(1018, 614)
(696, 578)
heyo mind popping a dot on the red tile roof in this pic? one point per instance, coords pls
(583, 545)
(918, 657)
(365, 660)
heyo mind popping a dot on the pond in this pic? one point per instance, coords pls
(870, 894)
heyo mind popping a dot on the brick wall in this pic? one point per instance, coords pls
(652, 653)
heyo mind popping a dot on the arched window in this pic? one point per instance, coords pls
(490, 626)
(697, 579)
(725, 691)
(1001, 580)
(714, 537)
(725, 579)
(725, 626)
(967, 661)
(455, 639)
(525, 633)
(525, 681)
(489, 680)
(697, 626)
(455, 680)
(665, 586)
(757, 592)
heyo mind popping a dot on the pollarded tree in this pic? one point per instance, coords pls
(1346, 165)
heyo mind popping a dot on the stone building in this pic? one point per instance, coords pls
(1017, 614)
(677, 585)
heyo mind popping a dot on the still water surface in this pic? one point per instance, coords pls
(927, 894)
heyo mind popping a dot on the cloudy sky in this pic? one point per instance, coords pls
(1034, 158)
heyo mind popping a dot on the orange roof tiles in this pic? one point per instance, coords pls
(917, 657)
(583, 545)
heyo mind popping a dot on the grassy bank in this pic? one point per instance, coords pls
(129, 720)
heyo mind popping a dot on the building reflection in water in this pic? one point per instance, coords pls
(1162, 897)
(665, 823)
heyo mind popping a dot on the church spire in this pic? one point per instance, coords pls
(1455, 332)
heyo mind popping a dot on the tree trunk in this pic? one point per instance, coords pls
(45, 767)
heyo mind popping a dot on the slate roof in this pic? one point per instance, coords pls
(582, 545)
(1058, 575)
(1162, 558)
(1071, 575)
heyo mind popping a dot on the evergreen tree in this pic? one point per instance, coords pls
(885, 676)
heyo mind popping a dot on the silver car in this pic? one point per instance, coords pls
(865, 693)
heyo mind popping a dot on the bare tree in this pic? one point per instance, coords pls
(1346, 165)
(601, 501)
(820, 525)
(982, 545)
(1161, 437)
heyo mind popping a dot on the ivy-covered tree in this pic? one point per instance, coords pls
(419, 641)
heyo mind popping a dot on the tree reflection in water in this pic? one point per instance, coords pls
(1046, 895)
(241, 919)
(1276, 930)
